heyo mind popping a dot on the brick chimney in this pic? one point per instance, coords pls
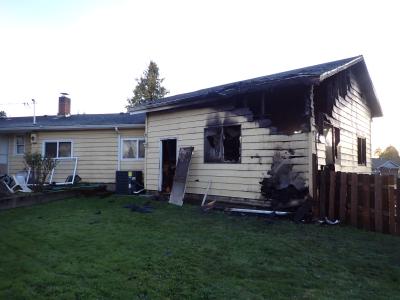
(64, 105)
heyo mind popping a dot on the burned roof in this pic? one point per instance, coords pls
(307, 75)
(72, 122)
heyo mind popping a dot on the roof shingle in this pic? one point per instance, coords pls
(72, 121)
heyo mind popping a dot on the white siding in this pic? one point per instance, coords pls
(353, 116)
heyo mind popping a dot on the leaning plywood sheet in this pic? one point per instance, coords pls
(181, 174)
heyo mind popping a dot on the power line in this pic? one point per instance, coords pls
(16, 103)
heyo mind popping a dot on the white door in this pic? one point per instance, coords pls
(3, 154)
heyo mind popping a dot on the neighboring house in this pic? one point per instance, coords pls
(242, 131)
(385, 167)
(103, 143)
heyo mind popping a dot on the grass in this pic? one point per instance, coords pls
(90, 248)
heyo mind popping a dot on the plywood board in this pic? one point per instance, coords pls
(181, 174)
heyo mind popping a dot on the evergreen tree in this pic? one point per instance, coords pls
(3, 114)
(148, 87)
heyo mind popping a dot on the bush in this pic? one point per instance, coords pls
(40, 168)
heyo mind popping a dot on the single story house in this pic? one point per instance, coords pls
(385, 167)
(102, 143)
(270, 132)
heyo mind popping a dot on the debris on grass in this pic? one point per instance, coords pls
(146, 208)
(101, 191)
(303, 213)
(208, 206)
(326, 221)
(258, 211)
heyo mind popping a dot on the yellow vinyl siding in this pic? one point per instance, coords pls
(16, 161)
(240, 180)
(97, 152)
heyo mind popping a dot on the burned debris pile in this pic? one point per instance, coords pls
(285, 188)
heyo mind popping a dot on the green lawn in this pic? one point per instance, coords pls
(91, 248)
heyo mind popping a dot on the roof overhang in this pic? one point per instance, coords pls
(345, 66)
(367, 85)
(69, 128)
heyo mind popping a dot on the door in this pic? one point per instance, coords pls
(3, 155)
(167, 164)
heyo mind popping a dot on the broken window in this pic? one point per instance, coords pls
(336, 136)
(362, 151)
(222, 144)
(332, 140)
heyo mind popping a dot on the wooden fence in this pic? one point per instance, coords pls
(371, 202)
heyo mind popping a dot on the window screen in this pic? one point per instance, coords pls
(129, 149)
(133, 148)
(64, 149)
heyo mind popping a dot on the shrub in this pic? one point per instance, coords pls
(40, 168)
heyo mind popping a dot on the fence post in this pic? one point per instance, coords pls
(392, 221)
(315, 187)
(343, 197)
(397, 202)
(354, 199)
(314, 179)
(332, 190)
(322, 195)
(378, 203)
(366, 179)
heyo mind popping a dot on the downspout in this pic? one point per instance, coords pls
(119, 149)
(145, 150)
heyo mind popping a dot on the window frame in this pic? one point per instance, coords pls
(334, 141)
(361, 155)
(137, 139)
(16, 144)
(222, 145)
(58, 148)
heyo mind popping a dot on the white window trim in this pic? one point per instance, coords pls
(58, 145)
(121, 148)
(16, 146)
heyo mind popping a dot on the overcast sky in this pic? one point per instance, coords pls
(94, 49)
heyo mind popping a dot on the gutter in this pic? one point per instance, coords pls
(75, 127)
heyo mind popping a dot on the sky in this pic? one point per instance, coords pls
(95, 49)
